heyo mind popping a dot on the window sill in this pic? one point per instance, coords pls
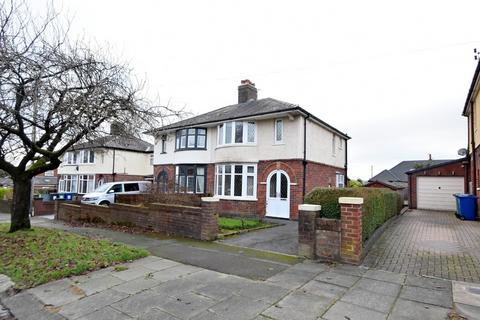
(191, 149)
(279, 144)
(236, 198)
(236, 145)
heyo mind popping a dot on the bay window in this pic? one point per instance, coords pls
(236, 180)
(86, 183)
(237, 132)
(192, 138)
(190, 179)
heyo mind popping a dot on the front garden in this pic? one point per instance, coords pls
(40, 255)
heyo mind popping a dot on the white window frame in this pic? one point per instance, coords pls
(80, 160)
(49, 173)
(222, 134)
(275, 131)
(340, 177)
(245, 175)
(73, 178)
(90, 183)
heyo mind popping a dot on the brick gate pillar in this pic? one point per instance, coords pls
(307, 213)
(209, 223)
(351, 220)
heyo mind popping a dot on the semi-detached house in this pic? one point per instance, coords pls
(110, 158)
(259, 156)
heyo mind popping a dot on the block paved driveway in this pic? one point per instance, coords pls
(156, 288)
(429, 243)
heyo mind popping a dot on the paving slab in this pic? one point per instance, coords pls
(175, 272)
(106, 313)
(440, 298)
(468, 311)
(323, 289)
(342, 310)
(380, 287)
(137, 285)
(186, 306)
(58, 293)
(428, 283)
(298, 305)
(99, 284)
(370, 300)
(91, 303)
(338, 279)
(466, 293)
(131, 273)
(140, 303)
(291, 279)
(405, 309)
(233, 308)
(385, 276)
(156, 314)
(25, 306)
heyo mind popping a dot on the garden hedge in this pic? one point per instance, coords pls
(379, 205)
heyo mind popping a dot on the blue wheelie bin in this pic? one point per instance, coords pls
(466, 206)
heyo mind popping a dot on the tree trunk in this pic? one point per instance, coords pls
(20, 216)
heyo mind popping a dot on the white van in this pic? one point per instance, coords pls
(105, 194)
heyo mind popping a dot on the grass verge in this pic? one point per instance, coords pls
(40, 255)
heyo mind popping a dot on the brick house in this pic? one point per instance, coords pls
(111, 158)
(259, 156)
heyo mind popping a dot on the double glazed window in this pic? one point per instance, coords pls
(340, 180)
(86, 183)
(68, 183)
(279, 131)
(190, 178)
(79, 157)
(237, 132)
(236, 180)
(193, 138)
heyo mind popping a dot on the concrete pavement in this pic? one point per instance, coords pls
(156, 288)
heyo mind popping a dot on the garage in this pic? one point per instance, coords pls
(436, 193)
(432, 187)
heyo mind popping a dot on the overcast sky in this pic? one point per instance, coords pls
(393, 75)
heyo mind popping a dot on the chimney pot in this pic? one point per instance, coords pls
(246, 91)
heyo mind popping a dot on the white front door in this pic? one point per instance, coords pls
(278, 195)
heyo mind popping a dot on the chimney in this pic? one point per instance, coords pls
(246, 91)
(117, 129)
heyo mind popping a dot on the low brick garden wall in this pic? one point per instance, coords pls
(331, 239)
(41, 207)
(179, 220)
(158, 197)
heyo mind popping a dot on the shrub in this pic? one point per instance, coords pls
(379, 205)
(6, 193)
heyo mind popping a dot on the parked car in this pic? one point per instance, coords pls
(105, 194)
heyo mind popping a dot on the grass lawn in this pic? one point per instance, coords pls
(40, 255)
(240, 224)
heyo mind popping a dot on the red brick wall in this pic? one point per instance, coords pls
(41, 207)
(318, 175)
(456, 169)
(193, 222)
(321, 175)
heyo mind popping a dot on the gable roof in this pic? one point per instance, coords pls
(117, 142)
(389, 184)
(399, 172)
(252, 108)
(476, 74)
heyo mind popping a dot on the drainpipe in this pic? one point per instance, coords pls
(474, 162)
(345, 178)
(113, 166)
(304, 155)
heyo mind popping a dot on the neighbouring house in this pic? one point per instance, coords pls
(396, 178)
(433, 187)
(259, 156)
(471, 110)
(46, 182)
(111, 158)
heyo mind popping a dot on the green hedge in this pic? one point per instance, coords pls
(6, 193)
(379, 205)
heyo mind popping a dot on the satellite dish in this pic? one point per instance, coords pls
(462, 152)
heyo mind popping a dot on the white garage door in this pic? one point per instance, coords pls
(436, 193)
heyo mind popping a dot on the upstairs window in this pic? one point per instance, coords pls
(87, 156)
(79, 157)
(333, 145)
(279, 131)
(237, 132)
(164, 144)
(192, 138)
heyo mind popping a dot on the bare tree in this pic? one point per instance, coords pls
(53, 94)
